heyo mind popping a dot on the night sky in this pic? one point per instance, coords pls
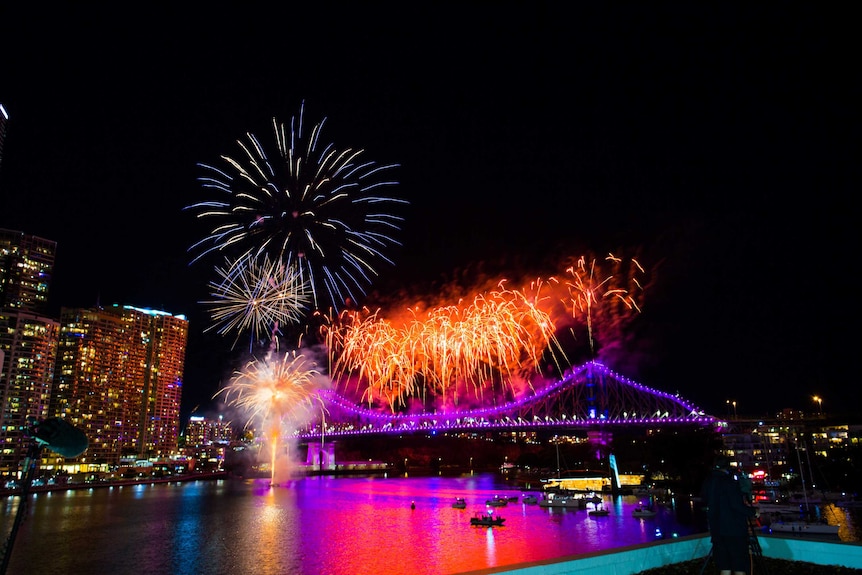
(720, 142)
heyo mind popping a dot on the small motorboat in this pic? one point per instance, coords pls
(459, 503)
(496, 502)
(529, 499)
(487, 520)
(599, 511)
(643, 512)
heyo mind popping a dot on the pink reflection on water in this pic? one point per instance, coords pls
(311, 526)
(368, 526)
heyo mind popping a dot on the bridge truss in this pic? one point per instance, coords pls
(588, 396)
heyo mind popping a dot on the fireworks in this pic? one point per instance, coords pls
(487, 345)
(603, 295)
(311, 206)
(277, 395)
(256, 294)
(281, 390)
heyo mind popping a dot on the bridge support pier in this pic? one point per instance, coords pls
(321, 456)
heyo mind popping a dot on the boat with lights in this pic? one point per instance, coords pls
(487, 520)
(640, 511)
(563, 500)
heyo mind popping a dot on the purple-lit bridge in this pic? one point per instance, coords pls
(587, 396)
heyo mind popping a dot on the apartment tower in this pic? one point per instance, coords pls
(119, 378)
(28, 340)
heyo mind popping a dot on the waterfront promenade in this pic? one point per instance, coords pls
(638, 558)
(45, 488)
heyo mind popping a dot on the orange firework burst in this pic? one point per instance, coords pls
(602, 294)
(487, 344)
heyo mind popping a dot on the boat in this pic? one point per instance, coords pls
(593, 498)
(802, 527)
(774, 507)
(562, 501)
(496, 502)
(809, 525)
(640, 511)
(460, 503)
(598, 509)
(529, 499)
(483, 520)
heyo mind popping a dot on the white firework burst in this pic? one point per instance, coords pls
(312, 206)
(257, 294)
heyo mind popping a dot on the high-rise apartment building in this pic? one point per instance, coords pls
(26, 265)
(28, 345)
(28, 339)
(119, 378)
(4, 120)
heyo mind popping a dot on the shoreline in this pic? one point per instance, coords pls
(11, 492)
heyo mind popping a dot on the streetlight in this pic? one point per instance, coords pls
(733, 403)
(819, 401)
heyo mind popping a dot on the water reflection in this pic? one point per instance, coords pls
(320, 525)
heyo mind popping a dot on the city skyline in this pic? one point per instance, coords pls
(716, 144)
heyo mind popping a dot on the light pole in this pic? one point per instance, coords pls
(731, 403)
(819, 401)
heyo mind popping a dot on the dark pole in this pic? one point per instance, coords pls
(29, 469)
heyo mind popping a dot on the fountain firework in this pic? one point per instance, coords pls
(277, 395)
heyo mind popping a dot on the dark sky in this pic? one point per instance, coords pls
(721, 141)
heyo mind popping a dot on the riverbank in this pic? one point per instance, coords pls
(5, 492)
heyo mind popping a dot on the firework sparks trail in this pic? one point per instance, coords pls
(311, 206)
(603, 297)
(277, 396)
(257, 295)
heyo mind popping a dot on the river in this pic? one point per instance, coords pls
(317, 526)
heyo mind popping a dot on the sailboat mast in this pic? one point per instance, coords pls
(802, 475)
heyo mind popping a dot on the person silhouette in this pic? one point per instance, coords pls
(728, 514)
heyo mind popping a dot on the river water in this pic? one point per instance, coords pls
(317, 526)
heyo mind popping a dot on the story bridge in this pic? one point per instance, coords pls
(589, 396)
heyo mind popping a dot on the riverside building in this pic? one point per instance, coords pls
(28, 339)
(119, 378)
